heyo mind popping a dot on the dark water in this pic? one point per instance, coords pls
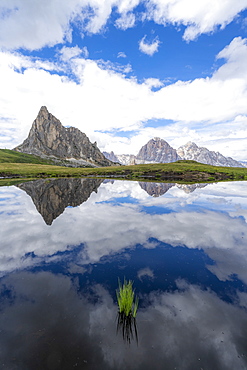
(65, 243)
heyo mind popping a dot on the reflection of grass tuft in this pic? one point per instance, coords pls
(127, 305)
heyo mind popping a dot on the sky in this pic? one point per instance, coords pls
(125, 71)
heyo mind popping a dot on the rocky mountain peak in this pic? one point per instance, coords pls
(48, 138)
(190, 145)
(43, 112)
(157, 150)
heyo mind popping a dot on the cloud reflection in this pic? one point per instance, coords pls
(51, 322)
(196, 220)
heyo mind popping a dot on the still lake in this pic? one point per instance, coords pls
(66, 242)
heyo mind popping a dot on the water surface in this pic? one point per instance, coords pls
(64, 245)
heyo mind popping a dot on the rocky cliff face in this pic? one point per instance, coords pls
(191, 151)
(48, 138)
(157, 151)
(52, 196)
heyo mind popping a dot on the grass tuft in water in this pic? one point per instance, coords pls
(127, 309)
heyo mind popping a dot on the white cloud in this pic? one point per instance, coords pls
(235, 54)
(32, 25)
(67, 53)
(116, 67)
(199, 17)
(125, 6)
(127, 20)
(153, 82)
(121, 54)
(149, 48)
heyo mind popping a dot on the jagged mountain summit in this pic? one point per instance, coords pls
(157, 151)
(191, 151)
(48, 138)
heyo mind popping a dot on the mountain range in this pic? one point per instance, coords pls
(68, 146)
(158, 150)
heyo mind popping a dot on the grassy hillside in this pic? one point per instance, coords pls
(10, 156)
(187, 171)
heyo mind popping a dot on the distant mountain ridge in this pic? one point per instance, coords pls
(159, 151)
(200, 154)
(48, 138)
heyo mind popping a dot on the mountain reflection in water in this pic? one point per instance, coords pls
(185, 251)
(52, 196)
(156, 189)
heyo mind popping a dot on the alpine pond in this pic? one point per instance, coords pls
(67, 243)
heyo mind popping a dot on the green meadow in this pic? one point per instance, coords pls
(10, 156)
(19, 165)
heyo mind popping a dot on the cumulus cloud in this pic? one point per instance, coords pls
(149, 48)
(235, 54)
(32, 26)
(197, 16)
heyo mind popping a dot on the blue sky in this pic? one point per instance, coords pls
(124, 71)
